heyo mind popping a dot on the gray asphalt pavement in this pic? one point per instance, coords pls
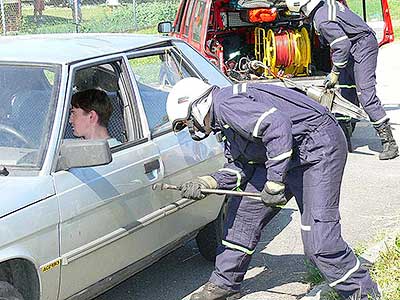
(370, 208)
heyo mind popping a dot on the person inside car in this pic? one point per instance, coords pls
(279, 143)
(90, 113)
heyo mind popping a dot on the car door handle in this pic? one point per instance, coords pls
(151, 166)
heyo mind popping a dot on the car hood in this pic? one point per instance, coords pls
(19, 192)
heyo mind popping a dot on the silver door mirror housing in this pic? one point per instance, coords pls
(76, 153)
(164, 27)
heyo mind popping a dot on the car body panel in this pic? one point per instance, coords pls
(85, 228)
(14, 198)
(80, 46)
(31, 234)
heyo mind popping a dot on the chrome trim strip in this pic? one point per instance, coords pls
(124, 231)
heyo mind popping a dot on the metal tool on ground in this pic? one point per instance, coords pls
(165, 186)
(330, 98)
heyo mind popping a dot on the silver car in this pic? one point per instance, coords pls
(77, 217)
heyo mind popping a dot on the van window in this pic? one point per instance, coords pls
(199, 14)
(188, 17)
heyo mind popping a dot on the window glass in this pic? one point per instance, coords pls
(179, 17)
(198, 17)
(208, 70)
(27, 100)
(155, 75)
(104, 77)
(188, 17)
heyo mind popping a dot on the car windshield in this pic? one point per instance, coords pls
(26, 98)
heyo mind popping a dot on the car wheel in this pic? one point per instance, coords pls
(8, 292)
(210, 236)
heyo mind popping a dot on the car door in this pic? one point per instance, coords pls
(107, 211)
(156, 71)
(377, 15)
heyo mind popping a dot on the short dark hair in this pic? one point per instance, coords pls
(96, 100)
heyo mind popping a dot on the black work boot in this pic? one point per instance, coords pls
(390, 148)
(212, 291)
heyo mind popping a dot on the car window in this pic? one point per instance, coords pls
(27, 95)
(199, 14)
(105, 77)
(208, 71)
(155, 75)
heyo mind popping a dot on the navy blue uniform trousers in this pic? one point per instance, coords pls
(314, 179)
(360, 71)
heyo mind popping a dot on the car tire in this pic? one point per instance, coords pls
(9, 292)
(210, 236)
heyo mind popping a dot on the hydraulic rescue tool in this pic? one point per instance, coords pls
(255, 196)
(330, 98)
(165, 186)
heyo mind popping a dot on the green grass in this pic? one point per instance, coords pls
(386, 271)
(99, 18)
(313, 276)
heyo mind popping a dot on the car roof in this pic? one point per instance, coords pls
(67, 48)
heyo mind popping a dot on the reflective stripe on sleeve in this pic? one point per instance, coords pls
(380, 121)
(237, 173)
(235, 89)
(342, 38)
(260, 119)
(331, 10)
(340, 64)
(237, 247)
(345, 86)
(239, 88)
(347, 275)
(305, 227)
(282, 156)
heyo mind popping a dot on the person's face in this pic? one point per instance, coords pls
(81, 122)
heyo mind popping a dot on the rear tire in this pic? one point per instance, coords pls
(9, 292)
(210, 236)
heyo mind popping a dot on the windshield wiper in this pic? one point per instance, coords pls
(4, 171)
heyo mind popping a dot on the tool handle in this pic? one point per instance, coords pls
(165, 186)
(231, 193)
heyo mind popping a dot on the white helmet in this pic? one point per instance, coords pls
(306, 6)
(189, 100)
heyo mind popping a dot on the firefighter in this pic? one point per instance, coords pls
(354, 56)
(281, 143)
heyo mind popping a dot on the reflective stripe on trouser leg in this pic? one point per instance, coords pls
(317, 190)
(347, 83)
(245, 220)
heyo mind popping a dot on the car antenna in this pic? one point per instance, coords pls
(4, 171)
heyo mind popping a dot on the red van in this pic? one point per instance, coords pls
(230, 33)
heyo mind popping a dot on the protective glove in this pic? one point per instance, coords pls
(273, 193)
(331, 79)
(192, 189)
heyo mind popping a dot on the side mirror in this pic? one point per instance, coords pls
(164, 27)
(83, 153)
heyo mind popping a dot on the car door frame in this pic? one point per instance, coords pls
(141, 140)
